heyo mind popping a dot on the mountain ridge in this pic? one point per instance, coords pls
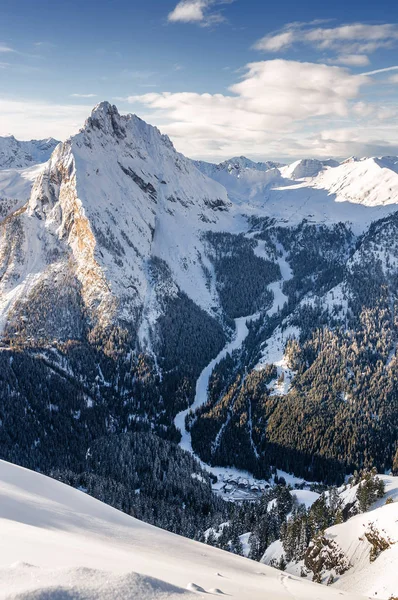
(15, 154)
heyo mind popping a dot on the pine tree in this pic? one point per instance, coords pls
(395, 464)
(255, 547)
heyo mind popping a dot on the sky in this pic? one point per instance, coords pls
(280, 80)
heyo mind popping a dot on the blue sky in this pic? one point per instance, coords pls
(279, 80)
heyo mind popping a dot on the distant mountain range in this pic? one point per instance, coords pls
(15, 154)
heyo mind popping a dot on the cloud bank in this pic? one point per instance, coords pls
(278, 109)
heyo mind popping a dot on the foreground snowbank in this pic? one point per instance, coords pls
(57, 542)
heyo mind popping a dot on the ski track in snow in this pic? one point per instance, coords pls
(241, 332)
(202, 384)
(286, 273)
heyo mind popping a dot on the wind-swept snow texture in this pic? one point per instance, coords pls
(57, 542)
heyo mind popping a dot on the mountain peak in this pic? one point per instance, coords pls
(104, 110)
(106, 117)
(306, 167)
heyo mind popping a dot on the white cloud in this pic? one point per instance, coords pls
(352, 60)
(356, 38)
(189, 12)
(393, 79)
(274, 101)
(270, 90)
(277, 42)
(28, 120)
(363, 109)
(297, 89)
(353, 141)
(278, 109)
(5, 48)
(83, 95)
(197, 11)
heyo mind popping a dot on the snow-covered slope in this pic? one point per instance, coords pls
(16, 186)
(357, 191)
(379, 577)
(371, 569)
(245, 180)
(370, 181)
(15, 154)
(308, 167)
(57, 542)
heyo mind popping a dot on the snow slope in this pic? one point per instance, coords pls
(355, 192)
(57, 542)
(245, 180)
(15, 154)
(16, 186)
(370, 181)
(307, 167)
(378, 578)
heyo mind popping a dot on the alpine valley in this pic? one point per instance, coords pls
(177, 337)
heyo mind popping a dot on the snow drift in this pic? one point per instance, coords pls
(57, 542)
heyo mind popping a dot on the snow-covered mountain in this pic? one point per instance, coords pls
(15, 154)
(235, 166)
(303, 168)
(311, 189)
(111, 198)
(57, 542)
(246, 181)
(117, 195)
